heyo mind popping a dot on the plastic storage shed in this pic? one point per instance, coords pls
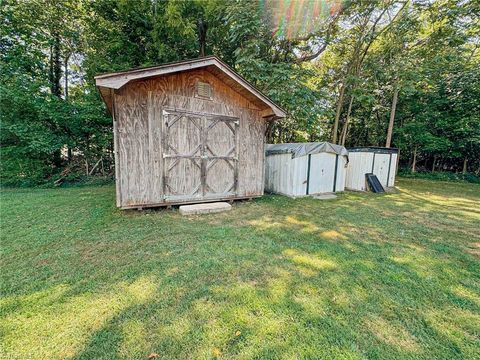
(300, 169)
(377, 160)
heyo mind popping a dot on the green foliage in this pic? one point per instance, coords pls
(45, 136)
(430, 53)
(55, 128)
(264, 61)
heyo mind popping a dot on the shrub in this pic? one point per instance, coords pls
(441, 176)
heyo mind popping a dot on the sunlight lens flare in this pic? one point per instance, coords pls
(291, 19)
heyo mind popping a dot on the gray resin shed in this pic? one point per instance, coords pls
(299, 169)
(376, 160)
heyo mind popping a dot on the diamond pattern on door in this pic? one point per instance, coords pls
(182, 151)
(221, 151)
(200, 156)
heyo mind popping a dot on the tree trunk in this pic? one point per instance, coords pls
(57, 158)
(55, 67)
(65, 69)
(435, 162)
(54, 77)
(465, 160)
(392, 115)
(347, 120)
(202, 35)
(414, 161)
(338, 113)
(50, 68)
(269, 132)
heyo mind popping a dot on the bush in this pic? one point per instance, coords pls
(440, 176)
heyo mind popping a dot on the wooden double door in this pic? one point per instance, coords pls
(200, 153)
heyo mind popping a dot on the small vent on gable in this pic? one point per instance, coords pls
(204, 90)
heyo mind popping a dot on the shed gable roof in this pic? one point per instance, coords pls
(115, 80)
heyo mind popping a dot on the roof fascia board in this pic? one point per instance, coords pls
(279, 112)
(116, 81)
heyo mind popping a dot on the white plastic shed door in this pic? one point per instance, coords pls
(360, 164)
(380, 167)
(322, 173)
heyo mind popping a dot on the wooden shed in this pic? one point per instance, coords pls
(300, 169)
(377, 160)
(186, 132)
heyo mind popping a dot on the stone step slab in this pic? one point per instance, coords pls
(205, 208)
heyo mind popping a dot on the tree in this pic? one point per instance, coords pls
(367, 26)
(395, 73)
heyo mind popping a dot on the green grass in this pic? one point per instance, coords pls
(441, 176)
(363, 276)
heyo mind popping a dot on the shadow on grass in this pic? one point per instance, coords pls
(275, 278)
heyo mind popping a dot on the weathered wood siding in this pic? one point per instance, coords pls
(139, 131)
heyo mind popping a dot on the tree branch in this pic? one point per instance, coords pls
(330, 29)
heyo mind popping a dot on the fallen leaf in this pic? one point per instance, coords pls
(238, 333)
(153, 355)
(217, 352)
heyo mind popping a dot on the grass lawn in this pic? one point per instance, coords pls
(363, 276)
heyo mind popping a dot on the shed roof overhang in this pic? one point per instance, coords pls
(107, 83)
